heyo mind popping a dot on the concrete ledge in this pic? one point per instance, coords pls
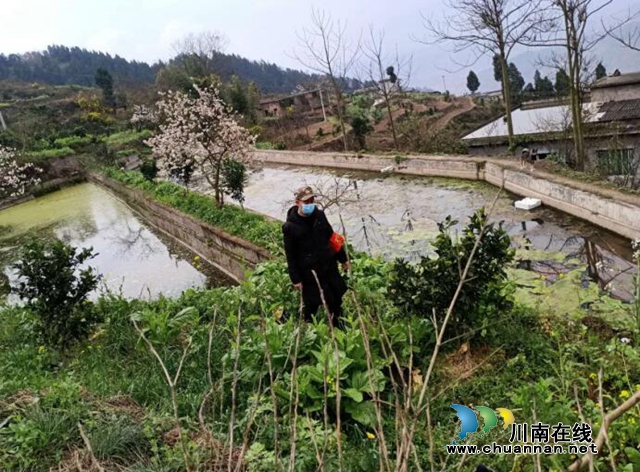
(608, 209)
(232, 255)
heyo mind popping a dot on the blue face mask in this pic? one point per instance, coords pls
(307, 208)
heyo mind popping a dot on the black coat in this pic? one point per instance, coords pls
(306, 244)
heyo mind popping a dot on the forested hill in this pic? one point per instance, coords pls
(61, 65)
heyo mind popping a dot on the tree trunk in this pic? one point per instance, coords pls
(338, 93)
(573, 59)
(506, 95)
(393, 125)
(219, 201)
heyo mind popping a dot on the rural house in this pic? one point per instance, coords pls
(308, 101)
(612, 128)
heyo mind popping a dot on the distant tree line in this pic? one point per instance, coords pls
(61, 65)
(541, 87)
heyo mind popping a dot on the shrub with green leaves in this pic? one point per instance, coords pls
(427, 288)
(235, 179)
(149, 169)
(56, 287)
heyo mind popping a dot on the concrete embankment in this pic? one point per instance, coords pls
(608, 208)
(232, 255)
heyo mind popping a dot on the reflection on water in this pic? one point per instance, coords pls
(133, 260)
(397, 216)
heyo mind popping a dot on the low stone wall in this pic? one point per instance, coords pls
(457, 167)
(230, 254)
(617, 213)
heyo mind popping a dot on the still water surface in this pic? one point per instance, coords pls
(133, 259)
(397, 216)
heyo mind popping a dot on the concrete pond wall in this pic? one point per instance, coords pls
(232, 255)
(609, 209)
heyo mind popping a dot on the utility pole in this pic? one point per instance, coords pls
(444, 84)
(4, 126)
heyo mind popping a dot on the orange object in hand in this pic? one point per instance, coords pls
(336, 241)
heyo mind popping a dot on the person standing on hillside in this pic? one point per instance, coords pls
(311, 245)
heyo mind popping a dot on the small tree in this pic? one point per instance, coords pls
(427, 288)
(15, 178)
(105, 82)
(360, 112)
(202, 131)
(563, 83)
(56, 289)
(235, 179)
(600, 71)
(473, 84)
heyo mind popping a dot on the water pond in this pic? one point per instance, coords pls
(133, 259)
(397, 216)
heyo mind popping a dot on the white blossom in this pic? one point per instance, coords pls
(15, 178)
(201, 131)
(635, 244)
(143, 114)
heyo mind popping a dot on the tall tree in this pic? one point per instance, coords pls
(473, 84)
(562, 83)
(325, 48)
(600, 71)
(384, 77)
(578, 37)
(200, 54)
(516, 81)
(491, 27)
(105, 82)
(542, 85)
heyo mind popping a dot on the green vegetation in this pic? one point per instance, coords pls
(234, 220)
(55, 286)
(52, 153)
(427, 288)
(75, 141)
(249, 368)
(127, 137)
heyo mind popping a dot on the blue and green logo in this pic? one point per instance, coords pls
(469, 419)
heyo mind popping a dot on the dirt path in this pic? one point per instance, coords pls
(462, 105)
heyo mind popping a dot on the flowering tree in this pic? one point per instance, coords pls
(202, 132)
(15, 178)
(143, 117)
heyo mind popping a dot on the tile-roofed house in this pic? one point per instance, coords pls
(620, 110)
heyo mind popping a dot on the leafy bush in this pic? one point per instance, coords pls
(234, 174)
(56, 289)
(149, 169)
(428, 287)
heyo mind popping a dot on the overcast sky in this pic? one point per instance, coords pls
(257, 29)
